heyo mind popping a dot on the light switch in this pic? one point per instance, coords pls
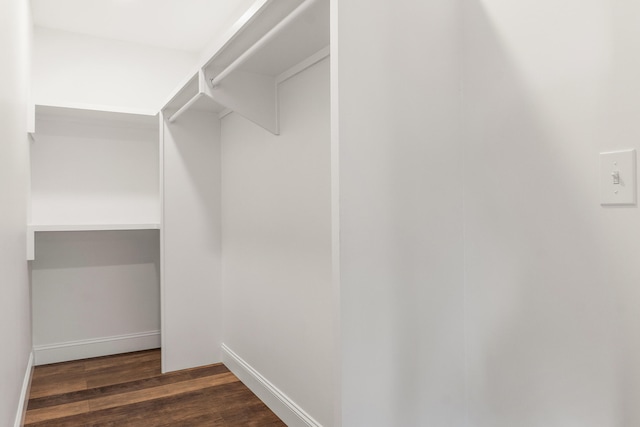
(618, 178)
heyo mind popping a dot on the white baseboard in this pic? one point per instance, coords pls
(83, 349)
(24, 394)
(276, 400)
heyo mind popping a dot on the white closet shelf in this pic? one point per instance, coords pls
(199, 102)
(183, 93)
(263, 49)
(92, 227)
(97, 109)
(33, 228)
(95, 113)
(281, 35)
(191, 96)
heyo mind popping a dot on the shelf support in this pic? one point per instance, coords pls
(253, 96)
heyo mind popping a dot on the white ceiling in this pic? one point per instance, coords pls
(176, 24)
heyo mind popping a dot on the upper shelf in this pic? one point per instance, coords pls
(92, 227)
(192, 96)
(279, 36)
(95, 113)
(262, 49)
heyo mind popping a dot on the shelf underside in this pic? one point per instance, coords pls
(294, 43)
(32, 229)
(93, 114)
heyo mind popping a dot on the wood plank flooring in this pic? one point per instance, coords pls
(129, 390)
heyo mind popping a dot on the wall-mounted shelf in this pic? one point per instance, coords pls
(93, 168)
(91, 227)
(192, 96)
(281, 36)
(242, 76)
(93, 113)
(32, 229)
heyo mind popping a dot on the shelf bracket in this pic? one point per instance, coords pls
(253, 96)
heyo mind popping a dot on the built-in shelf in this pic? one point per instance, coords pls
(32, 229)
(97, 109)
(280, 36)
(93, 168)
(184, 92)
(93, 113)
(92, 227)
(192, 96)
(264, 48)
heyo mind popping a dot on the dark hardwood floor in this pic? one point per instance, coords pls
(129, 390)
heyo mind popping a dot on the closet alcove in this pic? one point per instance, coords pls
(211, 216)
(93, 237)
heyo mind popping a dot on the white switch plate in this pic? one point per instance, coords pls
(622, 164)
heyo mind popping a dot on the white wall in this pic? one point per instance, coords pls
(88, 171)
(401, 222)
(72, 68)
(95, 293)
(15, 317)
(276, 244)
(552, 277)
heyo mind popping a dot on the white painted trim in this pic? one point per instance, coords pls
(335, 210)
(303, 65)
(24, 394)
(82, 349)
(93, 227)
(285, 408)
(163, 329)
